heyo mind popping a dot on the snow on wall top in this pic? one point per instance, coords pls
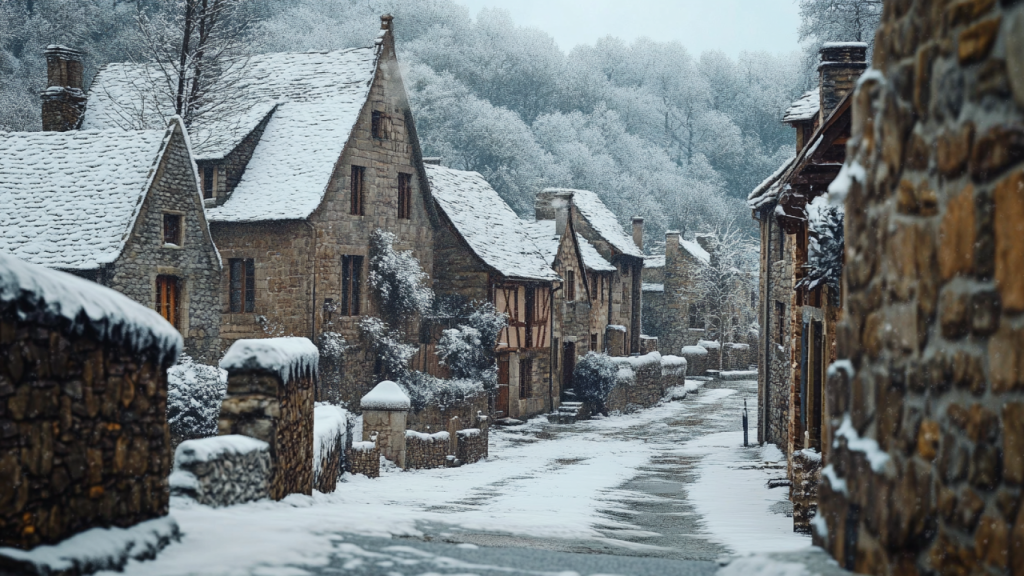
(768, 190)
(289, 357)
(695, 250)
(70, 199)
(602, 220)
(313, 100)
(79, 306)
(213, 447)
(543, 234)
(386, 396)
(493, 231)
(654, 261)
(330, 423)
(805, 108)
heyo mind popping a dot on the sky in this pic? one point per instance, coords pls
(731, 26)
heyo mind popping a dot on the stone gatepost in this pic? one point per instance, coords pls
(271, 384)
(615, 340)
(385, 409)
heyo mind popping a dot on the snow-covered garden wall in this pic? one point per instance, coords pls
(330, 427)
(222, 470)
(271, 383)
(83, 388)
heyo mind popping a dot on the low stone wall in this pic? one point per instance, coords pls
(472, 445)
(673, 371)
(222, 470)
(330, 426)
(426, 450)
(364, 458)
(714, 349)
(804, 493)
(639, 383)
(270, 398)
(739, 356)
(435, 418)
(697, 361)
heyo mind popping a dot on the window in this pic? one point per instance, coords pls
(167, 298)
(593, 342)
(531, 311)
(380, 125)
(242, 282)
(356, 207)
(405, 196)
(696, 316)
(780, 322)
(208, 184)
(570, 285)
(593, 286)
(602, 282)
(525, 370)
(351, 274)
(172, 229)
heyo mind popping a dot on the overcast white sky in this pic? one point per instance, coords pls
(728, 25)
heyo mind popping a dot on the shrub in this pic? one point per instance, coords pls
(399, 281)
(594, 379)
(194, 394)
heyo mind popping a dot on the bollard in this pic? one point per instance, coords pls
(745, 423)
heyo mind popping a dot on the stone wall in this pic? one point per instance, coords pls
(426, 450)
(472, 445)
(363, 458)
(775, 343)
(83, 433)
(925, 403)
(387, 429)
(739, 356)
(222, 470)
(260, 405)
(697, 361)
(804, 491)
(330, 435)
(640, 382)
(673, 371)
(435, 418)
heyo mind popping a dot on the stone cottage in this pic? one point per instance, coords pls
(672, 303)
(925, 399)
(484, 252)
(120, 208)
(586, 275)
(320, 151)
(619, 295)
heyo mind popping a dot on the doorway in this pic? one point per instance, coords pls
(501, 403)
(568, 366)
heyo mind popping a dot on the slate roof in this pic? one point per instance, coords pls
(768, 190)
(805, 108)
(602, 220)
(543, 234)
(70, 199)
(313, 100)
(491, 229)
(654, 261)
(695, 250)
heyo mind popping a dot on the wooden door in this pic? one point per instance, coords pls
(501, 404)
(568, 365)
(167, 299)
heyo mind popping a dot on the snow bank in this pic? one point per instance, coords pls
(329, 422)
(363, 446)
(82, 308)
(698, 350)
(99, 548)
(288, 357)
(386, 396)
(207, 449)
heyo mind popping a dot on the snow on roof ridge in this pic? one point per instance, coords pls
(493, 231)
(695, 250)
(767, 189)
(602, 220)
(77, 306)
(289, 357)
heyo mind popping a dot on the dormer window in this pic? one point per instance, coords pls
(173, 229)
(209, 182)
(380, 125)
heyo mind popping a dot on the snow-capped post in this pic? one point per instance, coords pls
(385, 410)
(745, 443)
(83, 380)
(271, 382)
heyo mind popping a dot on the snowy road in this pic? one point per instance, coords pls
(650, 492)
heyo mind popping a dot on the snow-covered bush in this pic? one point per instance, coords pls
(424, 390)
(594, 379)
(391, 351)
(398, 280)
(468, 350)
(332, 345)
(194, 395)
(825, 250)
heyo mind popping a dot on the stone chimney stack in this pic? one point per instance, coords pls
(385, 21)
(562, 203)
(842, 63)
(638, 232)
(63, 100)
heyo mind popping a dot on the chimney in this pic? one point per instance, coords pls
(385, 21)
(671, 247)
(432, 160)
(638, 232)
(842, 63)
(562, 203)
(63, 100)
(543, 209)
(706, 241)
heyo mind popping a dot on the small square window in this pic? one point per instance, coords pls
(380, 125)
(172, 229)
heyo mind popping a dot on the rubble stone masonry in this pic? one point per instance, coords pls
(926, 403)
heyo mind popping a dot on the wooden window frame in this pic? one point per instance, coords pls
(209, 178)
(241, 285)
(593, 342)
(351, 284)
(174, 229)
(380, 125)
(525, 377)
(404, 196)
(357, 191)
(168, 299)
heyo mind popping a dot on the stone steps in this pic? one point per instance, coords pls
(567, 413)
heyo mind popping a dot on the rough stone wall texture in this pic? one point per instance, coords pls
(638, 386)
(775, 342)
(804, 491)
(426, 451)
(680, 294)
(435, 418)
(331, 465)
(258, 404)
(228, 479)
(697, 364)
(932, 329)
(472, 445)
(542, 388)
(673, 376)
(83, 435)
(387, 429)
(615, 342)
(739, 356)
(290, 255)
(363, 458)
(194, 263)
(63, 109)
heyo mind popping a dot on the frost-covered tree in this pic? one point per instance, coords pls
(468, 350)
(594, 379)
(837, 21)
(398, 281)
(389, 348)
(825, 246)
(194, 395)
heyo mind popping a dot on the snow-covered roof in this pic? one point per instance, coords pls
(768, 190)
(543, 234)
(386, 396)
(695, 250)
(80, 307)
(805, 108)
(288, 357)
(652, 287)
(602, 220)
(70, 199)
(491, 229)
(845, 45)
(313, 100)
(654, 261)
